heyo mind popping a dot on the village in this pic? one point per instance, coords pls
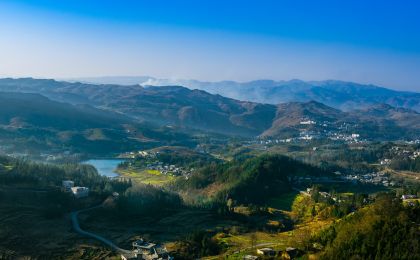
(146, 160)
(401, 153)
(309, 129)
(171, 170)
(376, 178)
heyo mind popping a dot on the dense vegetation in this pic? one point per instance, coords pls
(183, 157)
(252, 181)
(147, 200)
(384, 230)
(197, 244)
(406, 164)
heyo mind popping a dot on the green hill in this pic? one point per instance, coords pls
(383, 230)
(253, 181)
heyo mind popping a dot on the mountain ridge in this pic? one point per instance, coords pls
(201, 110)
(339, 94)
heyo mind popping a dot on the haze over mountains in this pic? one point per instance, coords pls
(339, 94)
(200, 110)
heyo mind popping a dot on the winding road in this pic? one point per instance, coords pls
(76, 227)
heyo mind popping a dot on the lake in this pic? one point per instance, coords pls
(105, 167)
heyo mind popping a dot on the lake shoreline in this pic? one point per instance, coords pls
(106, 167)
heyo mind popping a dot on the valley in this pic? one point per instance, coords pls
(187, 130)
(196, 174)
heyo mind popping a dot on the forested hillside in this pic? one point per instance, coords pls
(253, 181)
(384, 230)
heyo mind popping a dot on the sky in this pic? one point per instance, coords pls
(375, 42)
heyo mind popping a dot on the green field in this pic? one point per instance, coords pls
(152, 177)
(283, 202)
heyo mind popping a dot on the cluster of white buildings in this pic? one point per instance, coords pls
(147, 251)
(385, 161)
(308, 122)
(276, 141)
(350, 138)
(415, 155)
(377, 178)
(408, 197)
(306, 134)
(165, 169)
(78, 192)
(323, 194)
(417, 141)
(143, 154)
(400, 152)
(170, 169)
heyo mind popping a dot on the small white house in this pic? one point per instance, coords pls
(385, 161)
(266, 251)
(80, 192)
(408, 196)
(307, 122)
(67, 185)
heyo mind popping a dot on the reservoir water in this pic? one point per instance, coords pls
(105, 167)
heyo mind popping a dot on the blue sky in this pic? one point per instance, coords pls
(364, 41)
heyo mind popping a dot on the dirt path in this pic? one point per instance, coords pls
(76, 227)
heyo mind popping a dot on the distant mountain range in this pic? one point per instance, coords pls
(338, 94)
(177, 106)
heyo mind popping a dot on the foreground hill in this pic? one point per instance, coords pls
(384, 230)
(197, 109)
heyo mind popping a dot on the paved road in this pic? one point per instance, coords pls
(76, 227)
